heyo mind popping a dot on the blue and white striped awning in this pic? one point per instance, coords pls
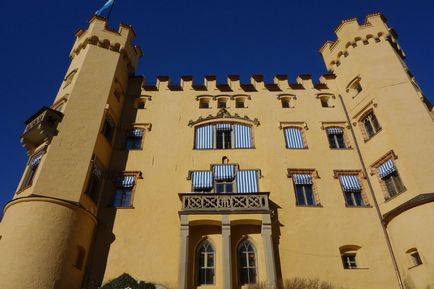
(302, 179)
(386, 168)
(334, 130)
(204, 137)
(350, 183)
(223, 126)
(294, 138)
(247, 181)
(202, 180)
(127, 181)
(242, 136)
(36, 160)
(136, 132)
(224, 172)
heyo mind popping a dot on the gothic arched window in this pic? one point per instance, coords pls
(247, 263)
(205, 263)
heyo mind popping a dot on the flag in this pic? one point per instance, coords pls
(106, 6)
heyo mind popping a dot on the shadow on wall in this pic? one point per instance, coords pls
(104, 236)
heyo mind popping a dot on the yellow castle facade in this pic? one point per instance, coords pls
(220, 185)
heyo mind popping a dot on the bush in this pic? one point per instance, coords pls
(298, 283)
(126, 281)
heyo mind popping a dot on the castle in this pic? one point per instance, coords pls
(221, 185)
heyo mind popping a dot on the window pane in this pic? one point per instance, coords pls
(368, 127)
(219, 140)
(390, 186)
(239, 104)
(398, 183)
(285, 103)
(229, 188)
(220, 188)
(252, 276)
(309, 195)
(209, 276)
(300, 195)
(332, 141)
(340, 140)
(358, 199)
(210, 260)
(349, 198)
(244, 276)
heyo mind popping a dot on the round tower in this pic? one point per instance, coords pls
(383, 103)
(48, 228)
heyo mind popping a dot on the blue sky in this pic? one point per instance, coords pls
(186, 37)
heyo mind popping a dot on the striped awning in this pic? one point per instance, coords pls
(242, 136)
(350, 183)
(302, 179)
(204, 137)
(224, 172)
(334, 130)
(202, 180)
(36, 160)
(386, 168)
(294, 138)
(136, 132)
(223, 126)
(126, 181)
(247, 181)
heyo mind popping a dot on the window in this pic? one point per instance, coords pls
(324, 101)
(108, 128)
(390, 177)
(354, 88)
(32, 169)
(294, 138)
(225, 179)
(134, 139)
(205, 257)
(222, 187)
(349, 260)
(222, 103)
(350, 256)
(414, 257)
(304, 190)
(352, 190)
(141, 104)
(95, 182)
(79, 260)
(285, 102)
(247, 263)
(336, 137)
(370, 125)
(124, 191)
(204, 103)
(223, 136)
(240, 103)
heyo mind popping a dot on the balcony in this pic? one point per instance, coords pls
(40, 127)
(234, 202)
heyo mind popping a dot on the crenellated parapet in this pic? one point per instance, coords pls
(351, 35)
(233, 84)
(101, 35)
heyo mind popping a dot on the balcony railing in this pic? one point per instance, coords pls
(40, 127)
(212, 202)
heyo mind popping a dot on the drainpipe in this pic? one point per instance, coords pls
(377, 208)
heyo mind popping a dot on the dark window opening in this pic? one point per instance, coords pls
(108, 129)
(393, 184)
(239, 103)
(223, 187)
(336, 141)
(304, 195)
(371, 124)
(223, 140)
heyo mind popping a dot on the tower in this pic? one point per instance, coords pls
(392, 123)
(48, 227)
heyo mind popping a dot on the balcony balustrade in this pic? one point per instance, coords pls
(213, 202)
(40, 127)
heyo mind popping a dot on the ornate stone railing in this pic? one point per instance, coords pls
(212, 202)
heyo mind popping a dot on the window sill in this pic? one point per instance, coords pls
(414, 266)
(356, 269)
(359, 207)
(215, 149)
(372, 136)
(310, 206)
(341, 149)
(305, 148)
(122, 208)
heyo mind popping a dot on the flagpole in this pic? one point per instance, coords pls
(110, 11)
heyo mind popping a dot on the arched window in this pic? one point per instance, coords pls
(223, 136)
(205, 257)
(247, 263)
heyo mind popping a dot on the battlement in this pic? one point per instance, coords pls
(233, 84)
(350, 35)
(99, 34)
